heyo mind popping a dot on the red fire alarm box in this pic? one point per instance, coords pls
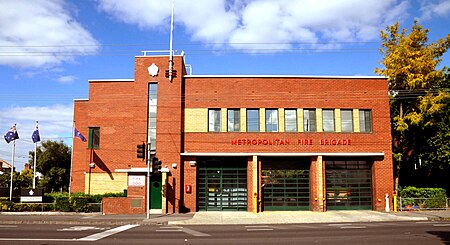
(188, 188)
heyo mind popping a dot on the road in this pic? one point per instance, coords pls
(436, 232)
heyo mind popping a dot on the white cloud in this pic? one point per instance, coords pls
(41, 33)
(66, 79)
(55, 123)
(429, 8)
(273, 23)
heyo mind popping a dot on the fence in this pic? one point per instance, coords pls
(409, 203)
(47, 207)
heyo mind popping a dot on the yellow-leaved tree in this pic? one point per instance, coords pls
(418, 90)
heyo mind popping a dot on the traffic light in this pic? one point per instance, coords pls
(167, 73)
(141, 151)
(156, 165)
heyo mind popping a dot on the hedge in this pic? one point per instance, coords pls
(423, 197)
(59, 201)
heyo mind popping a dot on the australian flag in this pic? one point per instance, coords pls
(77, 134)
(35, 136)
(11, 134)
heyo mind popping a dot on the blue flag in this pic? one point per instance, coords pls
(11, 134)
(77, 134)
(36, 137)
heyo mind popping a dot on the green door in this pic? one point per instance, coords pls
(222, 188)
(155, 192)
(285, 184)
(349, 184)
(285, 189)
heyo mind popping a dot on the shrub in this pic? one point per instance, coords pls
(423, 197)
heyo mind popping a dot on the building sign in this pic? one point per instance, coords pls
(136, 180)
(277, 141)
(31, 195)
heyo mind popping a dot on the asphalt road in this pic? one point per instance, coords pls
(410, 233)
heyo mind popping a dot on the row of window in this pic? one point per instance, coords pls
(290, 120)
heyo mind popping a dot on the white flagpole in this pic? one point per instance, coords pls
(34, 166)
(171, 41)
(12, 170)
(71, 158)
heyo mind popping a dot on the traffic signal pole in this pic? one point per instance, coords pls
(149, 163)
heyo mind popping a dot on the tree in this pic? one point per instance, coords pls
(419, 91)
(20, 180)
(53, 162)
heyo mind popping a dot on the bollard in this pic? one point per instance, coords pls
(387, 203)
(395, 203)
(255, 203)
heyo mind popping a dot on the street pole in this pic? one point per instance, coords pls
(148, 179)
(34, 166)
(12, 170)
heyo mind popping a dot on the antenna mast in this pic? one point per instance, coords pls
(171, 51)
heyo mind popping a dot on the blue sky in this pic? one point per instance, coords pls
(49, 49)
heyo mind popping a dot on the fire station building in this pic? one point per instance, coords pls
(234, 142)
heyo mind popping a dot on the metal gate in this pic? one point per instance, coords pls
(222, 188)
(349, 185)
(285, 185)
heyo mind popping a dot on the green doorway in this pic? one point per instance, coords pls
(155, 192)
(349, 184)
(285, 184)
(222, 184)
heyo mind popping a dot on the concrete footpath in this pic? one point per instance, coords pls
(220, 218)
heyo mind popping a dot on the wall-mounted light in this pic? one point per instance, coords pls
(92, 165)
(192, 163)
(174, 165)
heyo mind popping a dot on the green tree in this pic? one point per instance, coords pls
(23, 179)
(53, 162)
(20, 180)
(419, 91)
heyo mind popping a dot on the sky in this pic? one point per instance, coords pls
(50, 49)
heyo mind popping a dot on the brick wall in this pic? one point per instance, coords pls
(123, 205)
(119, 108)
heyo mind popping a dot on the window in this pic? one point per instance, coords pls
(365, 121)
(214, 120)
(94, 138)
(290, 120)
(252, 120)
(328, 120)
(234, 120)
(152, 105)
(347, 120)
(309, 120)
(271, 120)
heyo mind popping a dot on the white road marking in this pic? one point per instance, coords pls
(194, 233)
(259, 228)
(339, 225)
(256, 226)
(37, 239)
(107, 233)
(81, 228)
(353, 227)
(441, 225)
(181, 229)
(170, 229)
(8, 226)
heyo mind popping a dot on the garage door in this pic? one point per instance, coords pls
(285, 185)
(348, 184)
(222, 188)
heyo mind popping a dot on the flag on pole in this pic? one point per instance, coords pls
(36, 137)
(11, 134)
(77, 134)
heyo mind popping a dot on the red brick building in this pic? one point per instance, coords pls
(235, 142)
